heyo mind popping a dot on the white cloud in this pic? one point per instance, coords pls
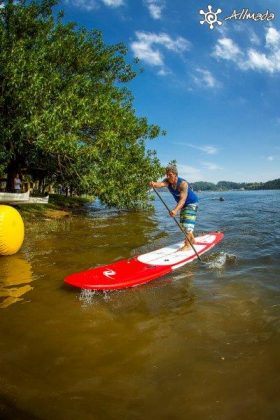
(94, 4)
(226, 49)
(155, 8)
(164, 71)
(254, 39)
(246, 30)
(147, 45)
(113, 3)
(144, 50)
(266, 59)
(209, 150)
(272, 38)
(273, 158)
(204, 78)
(259, 61)
(83, 4)
(223, 30)
(211, 166)
(190, 173)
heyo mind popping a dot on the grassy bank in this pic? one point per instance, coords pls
(58, 207)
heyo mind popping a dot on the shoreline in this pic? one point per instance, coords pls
(58, 207)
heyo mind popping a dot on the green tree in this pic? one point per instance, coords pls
(272, 185)
(65, 112)
(204, 186)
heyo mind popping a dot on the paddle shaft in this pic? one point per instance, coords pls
(176, 221)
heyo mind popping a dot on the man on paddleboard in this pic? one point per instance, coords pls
(186, 199)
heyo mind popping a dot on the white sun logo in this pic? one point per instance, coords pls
(210, 17)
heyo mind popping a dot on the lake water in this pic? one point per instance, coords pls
(201, 343)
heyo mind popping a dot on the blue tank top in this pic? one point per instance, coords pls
(191, 197)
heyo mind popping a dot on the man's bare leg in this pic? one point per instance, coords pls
(190, 239)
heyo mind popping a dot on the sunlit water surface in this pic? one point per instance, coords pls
(201, 343)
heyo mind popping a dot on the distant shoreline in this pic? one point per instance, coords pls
(236, 186)
(239, 190)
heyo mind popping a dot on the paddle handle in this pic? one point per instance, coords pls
(179, 225)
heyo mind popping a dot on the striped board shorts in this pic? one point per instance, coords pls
(188, 217)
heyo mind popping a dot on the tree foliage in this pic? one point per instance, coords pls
(204, 186)
(272, 185)
(65, 112)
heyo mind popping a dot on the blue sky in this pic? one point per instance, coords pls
(215, 91)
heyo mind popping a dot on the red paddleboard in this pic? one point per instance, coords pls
(143, 268)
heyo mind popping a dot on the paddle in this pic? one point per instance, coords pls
(176, 221)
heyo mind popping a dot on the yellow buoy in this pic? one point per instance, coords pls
(11, 230)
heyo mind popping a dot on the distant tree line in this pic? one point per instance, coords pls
(227, 185)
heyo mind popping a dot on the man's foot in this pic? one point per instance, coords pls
(189, 241)
(185, 247)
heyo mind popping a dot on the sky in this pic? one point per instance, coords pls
(211, 79)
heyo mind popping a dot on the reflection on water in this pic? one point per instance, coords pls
(15, 272)
(200, 343)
